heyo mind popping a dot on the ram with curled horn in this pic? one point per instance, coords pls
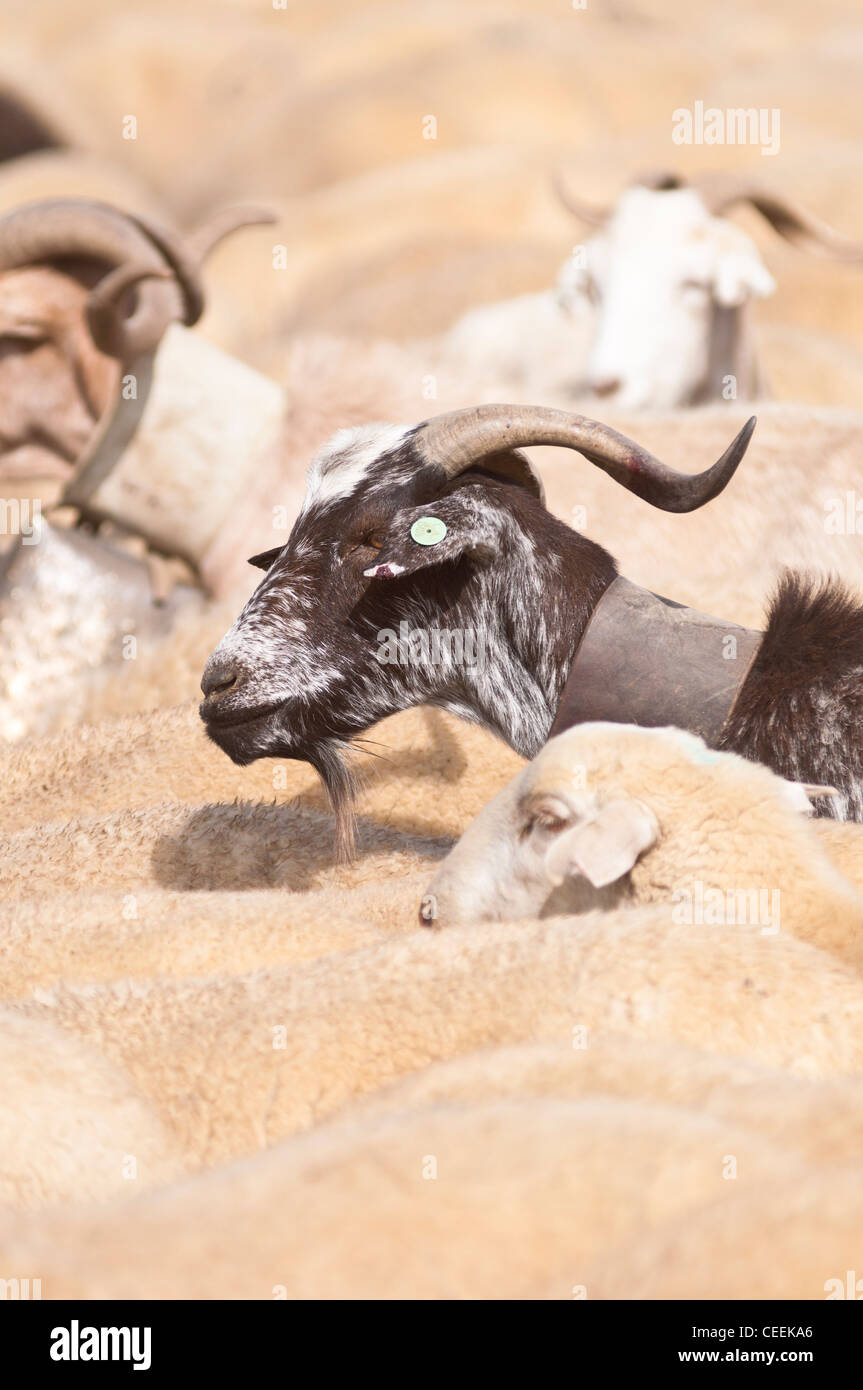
(102, 387)
(111, 407)
(424, 568)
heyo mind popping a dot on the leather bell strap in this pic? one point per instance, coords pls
(646, 660)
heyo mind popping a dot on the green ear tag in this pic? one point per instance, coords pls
(428, 530)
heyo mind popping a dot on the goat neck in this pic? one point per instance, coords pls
(646, 660)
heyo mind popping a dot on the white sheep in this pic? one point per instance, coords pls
(796, 1238)
(72, 1126)
(85, 937)
(818, 1121)
(162, 757)
(236, 1063)
(480, 1201)
(611, 814)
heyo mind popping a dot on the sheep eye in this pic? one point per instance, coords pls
(549, 815)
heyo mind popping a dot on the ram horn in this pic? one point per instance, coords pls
(79, 229)
(488, 436)
(182, 259)
(207, 235)
(790, 220)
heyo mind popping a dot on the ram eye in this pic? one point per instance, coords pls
(23, 341)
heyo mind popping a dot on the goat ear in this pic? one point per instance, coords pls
(741, 275)
(439, 533)
(266, 558)
(604, 847)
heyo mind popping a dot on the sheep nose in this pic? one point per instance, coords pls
(604, 385)
(219, 677)
(427, 916)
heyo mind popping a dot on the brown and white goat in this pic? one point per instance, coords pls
(440, 531)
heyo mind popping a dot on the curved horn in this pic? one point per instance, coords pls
(184, 257)
(206, 237)
(109, 329)
(660, 181)
(73, 228)
(790, 220)
(186, 254)
(136, 251)
(588, 213)
(462, 439)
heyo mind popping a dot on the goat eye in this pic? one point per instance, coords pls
(375, 540)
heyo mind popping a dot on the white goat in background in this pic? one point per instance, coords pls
(652, 311)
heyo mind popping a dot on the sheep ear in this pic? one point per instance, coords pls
(266, 558)
(606, 846)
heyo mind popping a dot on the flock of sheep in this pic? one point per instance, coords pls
(414, 994)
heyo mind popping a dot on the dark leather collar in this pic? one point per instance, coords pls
(646, 660)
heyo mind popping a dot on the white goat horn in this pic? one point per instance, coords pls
(589, 213)
(790, 220)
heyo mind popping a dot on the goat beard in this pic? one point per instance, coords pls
(340, 784)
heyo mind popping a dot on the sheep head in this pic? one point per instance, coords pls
(610, 812)
(425, 569)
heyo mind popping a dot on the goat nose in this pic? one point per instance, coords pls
(219, 677)
(604, 385)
